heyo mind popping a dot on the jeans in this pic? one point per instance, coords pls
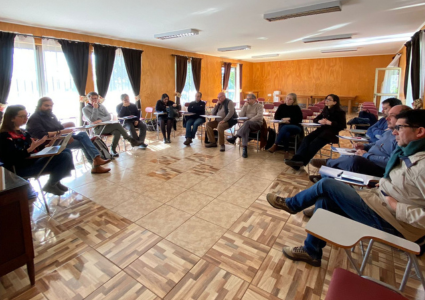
(83, 142)
(59, 167)
(285, 132)
(192, 126)
(339, 198)
(129, 124)
(358, 164)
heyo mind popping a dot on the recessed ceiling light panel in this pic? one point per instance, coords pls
(321, 8)
(328, 38)
(176, 34)
(236, 48)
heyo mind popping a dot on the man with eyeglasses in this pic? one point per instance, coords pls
(370, 159)
(396, 205)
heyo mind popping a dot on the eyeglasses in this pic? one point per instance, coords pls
(397, 127)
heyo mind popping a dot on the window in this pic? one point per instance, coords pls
(233, 88)
(189, 91)
(118, 85)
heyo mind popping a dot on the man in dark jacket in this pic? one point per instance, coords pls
(131, 119)
(192, 122)
(376, 131)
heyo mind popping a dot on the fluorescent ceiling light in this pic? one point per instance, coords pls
(328, 38)
(408, 6)
(176, 34)
(265, 55)
(236, 48)
(321, 8)
(339, 50)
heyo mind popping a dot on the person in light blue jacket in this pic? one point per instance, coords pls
(370, 159)
(375, 132)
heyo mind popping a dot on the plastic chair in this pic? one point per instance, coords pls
(148, 120)
(306, 113)
(314, 108)
(268, 106)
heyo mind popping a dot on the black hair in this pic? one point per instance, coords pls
(10, 113)
(392, 102)
(165, 96)
(413, 117)
(92, 94)
(336, 99)
(41, 101)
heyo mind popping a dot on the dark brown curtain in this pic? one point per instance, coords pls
(7, 41)
(181, 72)
(133, 65)
(406, 73)
(227, 69)
(104, 63)
(415, 77)
(196, 72)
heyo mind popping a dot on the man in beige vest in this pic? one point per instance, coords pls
(396, 206)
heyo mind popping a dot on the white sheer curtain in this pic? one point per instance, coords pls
(391, 79)
(25, 86)
(57, 81)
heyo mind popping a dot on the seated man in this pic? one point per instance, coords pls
(192, 122)
(254, 112)
(43, 122)
(376, 131)
(396, 206)
(96, 113)
(126, 109)
(225, 108)
(370, 159)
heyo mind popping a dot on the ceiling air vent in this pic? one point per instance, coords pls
(315, 9)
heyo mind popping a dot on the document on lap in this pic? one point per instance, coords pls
(344, 151)
(353, 138)
(349, 177)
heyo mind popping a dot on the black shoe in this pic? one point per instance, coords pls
(188, 141)
(296, 165)
(279, 203)
(143, 146)
(211, 145)
(168, 141)
(134, 142)
(53, 189)
(61, 187)
(165, 141)
(245, 152)
(114, 153)
(232, 139)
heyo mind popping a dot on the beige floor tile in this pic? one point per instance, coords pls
(163, 192)
(221, 213)
(164, 220)
(162, 267)
(184, 164)
(114, 196)
(254, 183)
(212, 189)
(92, 188)
(136, 208)
(190, 201)
(127, 245)
(187, 180)
(196, 235)
(239, 196)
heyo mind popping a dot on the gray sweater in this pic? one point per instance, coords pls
(254, 112)
(93, 114)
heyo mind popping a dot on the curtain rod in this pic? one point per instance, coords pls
(186, 56)
(57, 39)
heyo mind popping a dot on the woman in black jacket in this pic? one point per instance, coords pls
(291, 115)
(165, 105)
(332, 120)
(16, 146)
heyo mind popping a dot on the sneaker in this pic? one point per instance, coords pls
(279, 203)
(315, 178)
(211, 145)
(53, 189)
(61, 187)
(308, 212)
(318, 162)
(299, 254)
(222, 148)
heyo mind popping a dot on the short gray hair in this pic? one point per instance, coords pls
(251, 96)
(123, 96)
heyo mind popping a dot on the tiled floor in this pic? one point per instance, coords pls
(177, 222)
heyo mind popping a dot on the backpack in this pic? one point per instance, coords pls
(271, 137)
(151, 125)
(101, 147)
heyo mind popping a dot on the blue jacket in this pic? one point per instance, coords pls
(377, 129)
(380, 152)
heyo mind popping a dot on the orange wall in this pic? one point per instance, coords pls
(158, 74)
(345, 76)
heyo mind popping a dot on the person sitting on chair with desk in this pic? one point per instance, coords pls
(96, 113)
(396, 205)
(375, 132)
(127, 109)
(192, 122)
(17, 145)
(43, 122)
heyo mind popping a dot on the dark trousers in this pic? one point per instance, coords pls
(339, 198)
(129, 124)
(59, 167)
(285, 133)
(358, 164)
(166, 123)
(310, 145)
(116, 130)
(246, 129)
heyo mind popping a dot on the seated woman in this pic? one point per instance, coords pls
(16, 146)
(332, 120)
(165, 105)
(290, 113)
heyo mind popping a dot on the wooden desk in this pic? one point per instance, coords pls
(16, 247)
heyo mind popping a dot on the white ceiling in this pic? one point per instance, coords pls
(378, 28)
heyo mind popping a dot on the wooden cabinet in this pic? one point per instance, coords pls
(16, 247)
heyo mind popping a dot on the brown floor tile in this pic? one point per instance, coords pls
(165, 173)
(127, 245)
(254, 293)
(44, 229)
(204, 169)
(122, 286)
(206, 281)
(77, 215)
(238, 255)
(17, 283)
(165, 160)
(221, 213)
(162, 267)
(199, 157)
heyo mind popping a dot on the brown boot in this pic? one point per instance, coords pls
(98, 161)
(99, 170)
(273, 148)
